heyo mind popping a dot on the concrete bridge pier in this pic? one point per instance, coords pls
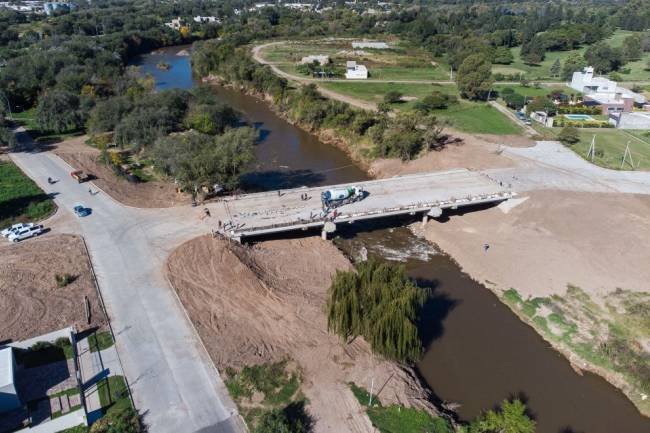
(433, 213)
(329, 227)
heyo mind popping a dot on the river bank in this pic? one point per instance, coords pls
(586, 294)
(266, 303)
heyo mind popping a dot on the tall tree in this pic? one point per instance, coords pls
(573, 63)
(604, 58)
(380, 303)
(510, 418)
(58, 111)
(556, 68)
(474, 77)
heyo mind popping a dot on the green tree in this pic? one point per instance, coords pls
(435, 101)
(58, 111)
(502, 56)
(278, 421)
(632, 48)
(604, 58)
(573, 63)
(534, 51)
(392, 97)
(510, 418)
(380, 303)
(556, 67)
(474, 77)
(541, 103)
(569, 135)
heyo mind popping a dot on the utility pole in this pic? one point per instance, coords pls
(372, 389)
(627, 154)
(592, 149)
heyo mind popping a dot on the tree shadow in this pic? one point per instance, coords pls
(434, 312)
(275, 179)
(298, 416)
(20, 205)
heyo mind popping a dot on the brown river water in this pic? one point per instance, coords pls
(477, 351)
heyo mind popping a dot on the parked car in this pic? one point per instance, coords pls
(9, 230)
(81, 210)
(25, 233)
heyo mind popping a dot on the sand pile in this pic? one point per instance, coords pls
(266, 303)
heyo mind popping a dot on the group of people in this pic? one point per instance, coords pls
(304, 196)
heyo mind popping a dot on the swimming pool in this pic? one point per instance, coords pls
(578, 117)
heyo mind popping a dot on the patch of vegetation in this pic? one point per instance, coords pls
(100, 341)
(399, 419)
(114, 395)
(379, 302)
(21, 200)
(63, 280)
(44, 352)
(609, 337)
(68, 392)
(278, 405)
(77, 429)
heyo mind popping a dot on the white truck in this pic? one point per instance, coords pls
(25, 233)
(9, 230)
(333, 198)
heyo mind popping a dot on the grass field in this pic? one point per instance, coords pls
(610, 146)
(403, 62)
(465, 116)
(532, 91)
(113, 394)
(542, 71)
(21, 200)
(100, 341)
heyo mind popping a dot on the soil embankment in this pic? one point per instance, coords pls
(31, 302)
(152, 194)
(266, 303)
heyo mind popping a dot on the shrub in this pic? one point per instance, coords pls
(393, 97)
(64, 280)
(569, 135)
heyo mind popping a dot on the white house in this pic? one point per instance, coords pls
(355, 72)
(210, 19)
(175, 24)
(8, 395)
(370, 44)
(604, 92)
(321, 59)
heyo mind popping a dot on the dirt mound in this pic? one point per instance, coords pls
(31, 303)
(267, 302)
(152, 194)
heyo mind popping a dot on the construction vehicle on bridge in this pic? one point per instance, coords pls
(333, 198)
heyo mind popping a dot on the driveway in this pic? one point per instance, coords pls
(174, 382)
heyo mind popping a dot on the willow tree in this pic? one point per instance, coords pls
(379, 302)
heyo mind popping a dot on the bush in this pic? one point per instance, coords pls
(569, 135)
(435, 101)
(64, 280)
(393, 97)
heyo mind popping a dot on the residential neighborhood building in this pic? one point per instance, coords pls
(175, 23)
(604, 92)
(208, 19)
(321, 59)
(370, 44)
(9, 399)
(353, 71)
(51, 7)
(635, 120)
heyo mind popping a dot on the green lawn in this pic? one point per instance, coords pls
(612, 143)
(532, 91)
(542, 71)
(21, 200)
(399, 419)
(113, 394)
(100, 341)
(478, 118)
(403, 62)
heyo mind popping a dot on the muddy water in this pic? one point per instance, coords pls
(478, 352)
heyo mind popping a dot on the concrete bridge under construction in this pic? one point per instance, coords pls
(428, 193)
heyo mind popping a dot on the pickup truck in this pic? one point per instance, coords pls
(79, 176)
(9, 230)
(25, 233)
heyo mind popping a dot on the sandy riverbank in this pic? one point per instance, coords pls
(265, 303)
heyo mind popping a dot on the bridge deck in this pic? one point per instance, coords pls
(268, 212)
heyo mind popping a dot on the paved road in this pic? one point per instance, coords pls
(174, 383)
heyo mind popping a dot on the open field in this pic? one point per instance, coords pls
(31, 301)
(542, 71)
(401, 62)
(265, 304)
(465, 116)
(610, 146)
(532, 91)
(21, 200)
